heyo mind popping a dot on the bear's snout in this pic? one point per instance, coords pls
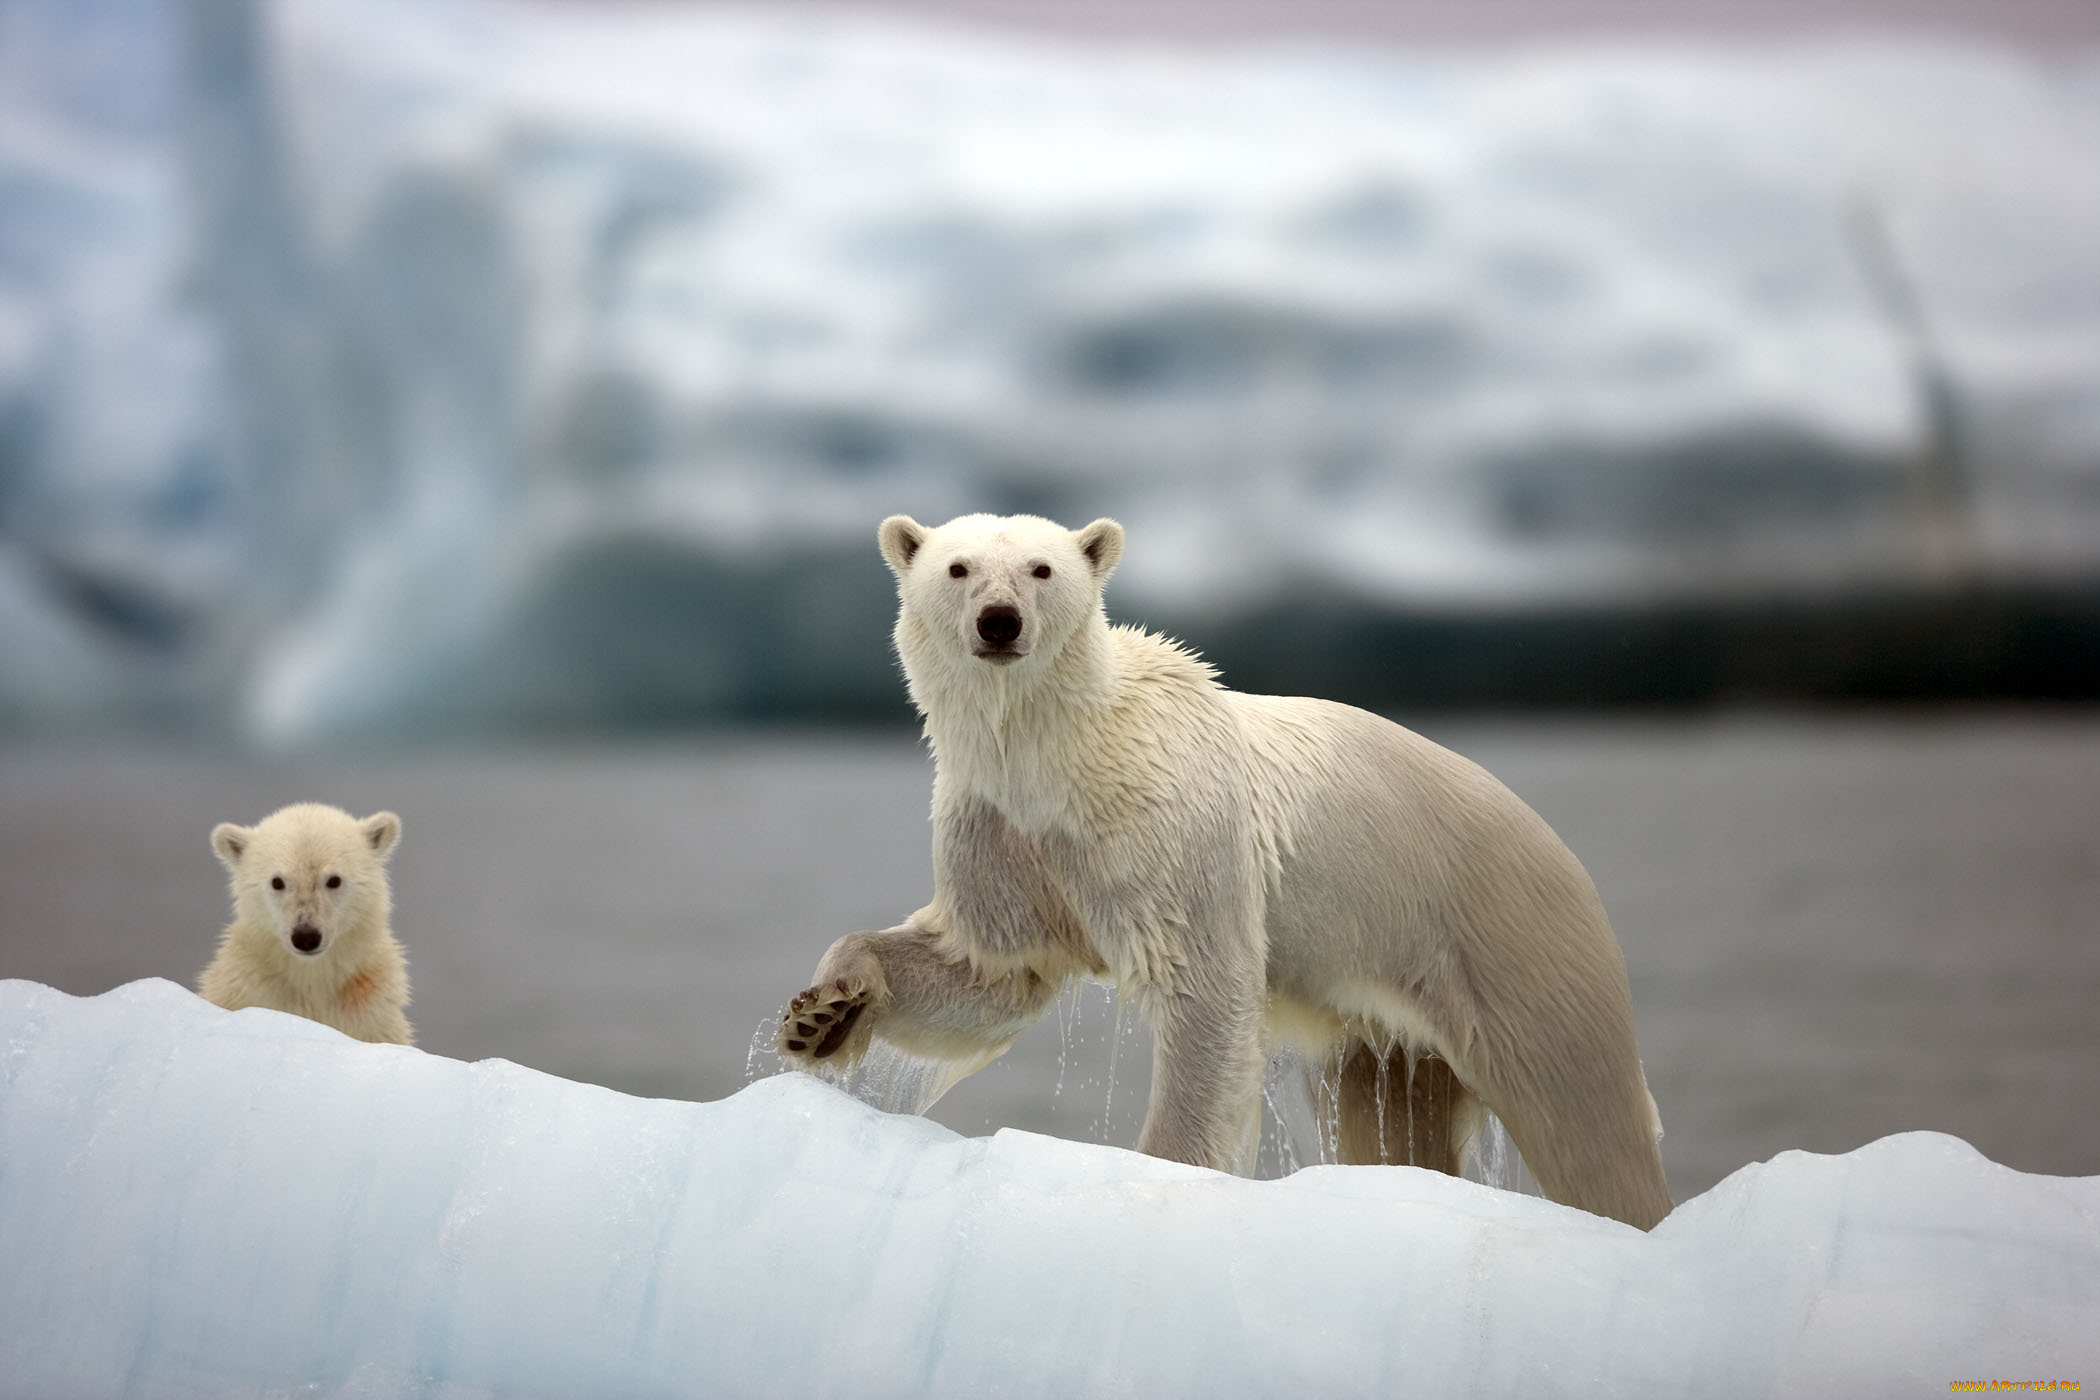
(999, 624)
(306, 938)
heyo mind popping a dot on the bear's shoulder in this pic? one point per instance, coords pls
(1152, 658)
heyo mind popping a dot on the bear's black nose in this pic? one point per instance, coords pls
(306, 938)
(999, 624)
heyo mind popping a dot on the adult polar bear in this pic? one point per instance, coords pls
(1246, 868)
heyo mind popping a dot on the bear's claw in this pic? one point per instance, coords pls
(817, 1022)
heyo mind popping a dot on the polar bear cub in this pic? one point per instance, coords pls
(1249, 870)
(311, 931)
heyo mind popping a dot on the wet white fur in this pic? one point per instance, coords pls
(357, 980)
(1247, 868)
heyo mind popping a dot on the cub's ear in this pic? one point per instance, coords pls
(381, 830)
(1102, 544)
(230, 843)
(900, 537)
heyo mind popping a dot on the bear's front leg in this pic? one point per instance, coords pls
(839, 1009)
(820, 1020)
(904, 985)
(1207, 1065)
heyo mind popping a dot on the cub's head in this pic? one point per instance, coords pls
(308, 873)
(994, 591)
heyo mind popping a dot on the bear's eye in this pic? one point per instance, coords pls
(335, 882)
(1042, 571)
(277, 882)
(957, 571)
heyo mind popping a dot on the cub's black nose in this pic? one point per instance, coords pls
(999, 624)
(306, 938)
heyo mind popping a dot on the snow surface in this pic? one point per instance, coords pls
(196, 1202)
(451, 333)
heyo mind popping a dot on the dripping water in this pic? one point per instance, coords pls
(1065, 1018)
(1108, 1097)
(1298, 1126)
(1382, 1087)
(759, 1061)
(1492, 1160)
(1301, 1100)
(1292, 1135)
(897, 1082)
(1091, 1060)
(886, 1077)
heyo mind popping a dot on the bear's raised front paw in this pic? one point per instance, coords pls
(817, 1022)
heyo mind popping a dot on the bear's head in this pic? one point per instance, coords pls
(995, 591)
(309, 873)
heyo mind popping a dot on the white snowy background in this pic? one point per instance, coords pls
(197, 1202)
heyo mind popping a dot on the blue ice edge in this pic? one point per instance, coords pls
(199, 1202)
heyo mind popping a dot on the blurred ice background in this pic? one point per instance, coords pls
(381, 368)
(414, 403)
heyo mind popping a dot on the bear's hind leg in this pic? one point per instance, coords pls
(1395, 1109)
(1582, 1119)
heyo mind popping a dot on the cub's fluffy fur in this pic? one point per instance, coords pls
(311, 912)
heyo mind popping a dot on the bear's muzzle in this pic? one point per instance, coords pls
(998, 627)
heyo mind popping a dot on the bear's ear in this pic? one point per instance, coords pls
(1102, 544)
(381, 830)
(230, 843)
(900, 537)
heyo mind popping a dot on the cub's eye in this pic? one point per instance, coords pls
(335, 882)
(957, 571)
(1042, 571)
(277, 882)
